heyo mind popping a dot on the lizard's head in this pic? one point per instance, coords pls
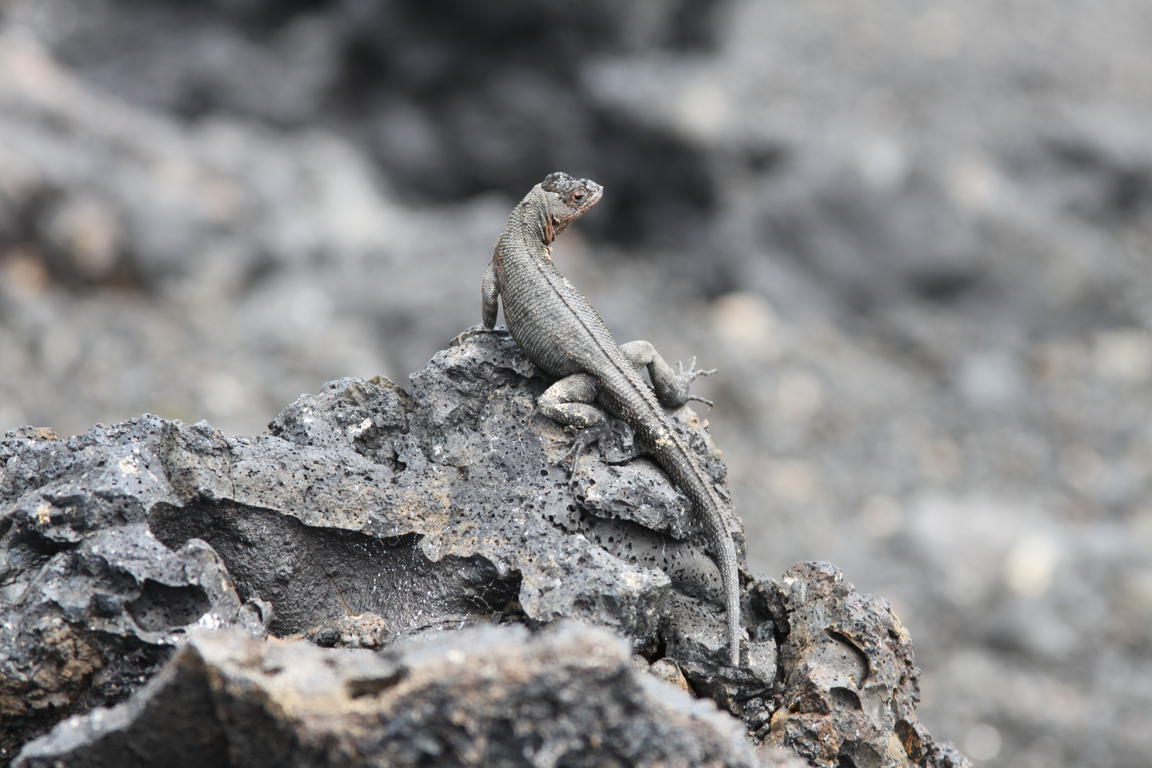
(566, 199)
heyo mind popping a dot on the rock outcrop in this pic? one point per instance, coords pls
(383, 529)
(481, 696)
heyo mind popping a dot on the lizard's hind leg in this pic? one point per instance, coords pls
(671, 386)
(568, 402)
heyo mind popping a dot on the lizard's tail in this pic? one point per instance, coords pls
(680, 462)
(675, 456)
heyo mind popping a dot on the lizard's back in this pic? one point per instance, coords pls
(551, 320)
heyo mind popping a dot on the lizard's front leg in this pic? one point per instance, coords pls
(489, 306)
(568, 402)
(671, 386)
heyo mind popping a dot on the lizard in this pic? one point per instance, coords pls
(561, 333)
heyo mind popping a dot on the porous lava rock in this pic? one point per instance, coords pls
(372, 525)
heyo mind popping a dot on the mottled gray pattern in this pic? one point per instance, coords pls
(371, 516)
(562, 334)
(490, 696)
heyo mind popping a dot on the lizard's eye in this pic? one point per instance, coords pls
(578, 196)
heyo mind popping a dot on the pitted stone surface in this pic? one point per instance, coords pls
(434, 508)
(373, 517)
(487, 696)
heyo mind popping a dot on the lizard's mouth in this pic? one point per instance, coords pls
(582, 194)
(594, 193)
(573, 198)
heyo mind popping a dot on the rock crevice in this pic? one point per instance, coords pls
(377, 518)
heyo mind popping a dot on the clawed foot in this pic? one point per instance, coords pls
(691, 375)
(582, 439)
(475, 330)
(693, 372)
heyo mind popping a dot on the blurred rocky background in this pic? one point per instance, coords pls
(915, 240)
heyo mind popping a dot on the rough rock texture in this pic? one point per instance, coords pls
(850, 684)
(484, 697)
(367, 514)
(914, 238)
(91, 602)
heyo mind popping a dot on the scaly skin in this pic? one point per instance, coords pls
(563, 335)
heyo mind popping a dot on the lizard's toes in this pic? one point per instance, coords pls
(582, 439)
(692, 372)
(475, 330)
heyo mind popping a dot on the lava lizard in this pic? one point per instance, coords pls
(563, 335)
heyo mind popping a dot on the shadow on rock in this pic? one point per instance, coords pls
(377, 518)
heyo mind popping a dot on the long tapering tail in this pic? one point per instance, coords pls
(677, 459)
(634, 401)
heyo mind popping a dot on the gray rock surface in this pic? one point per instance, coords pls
(850, 684)
(915, 240)
(483, 697)
(368, 514)
(91, 602)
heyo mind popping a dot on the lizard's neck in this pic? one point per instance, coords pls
(529, 233)
(514, 247)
